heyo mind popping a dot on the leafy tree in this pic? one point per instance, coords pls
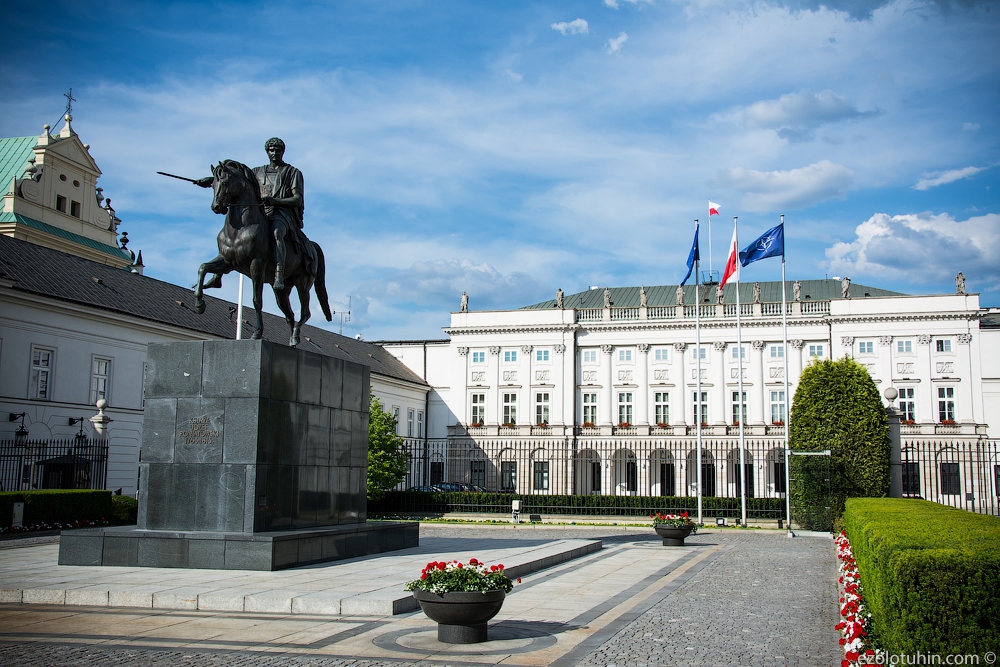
(837, 407)
(386, 457)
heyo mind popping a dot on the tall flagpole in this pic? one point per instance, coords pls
(710, 241)
(788, 413)
(739, 356)
(697, 356)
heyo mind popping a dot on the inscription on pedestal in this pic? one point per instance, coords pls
(199, 432)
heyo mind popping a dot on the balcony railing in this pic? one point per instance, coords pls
(707, 311)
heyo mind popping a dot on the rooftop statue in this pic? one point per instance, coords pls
(797, 291)
(559, 298)
(463, 306)
(845, 288)
(960, 283)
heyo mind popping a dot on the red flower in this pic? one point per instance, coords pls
(519, 580)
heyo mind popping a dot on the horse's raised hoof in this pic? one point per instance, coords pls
(199, 306)
(256, 335)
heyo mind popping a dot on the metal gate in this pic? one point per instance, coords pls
(810, 498)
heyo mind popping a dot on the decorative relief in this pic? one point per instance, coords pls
(758, 345)
(590, 376)
(463, 351)
(904, 368)
(871, 368)
(719, 345)
(643, 348)
(847, 341)
(624, 376)
(885, 341)
(797, 343)
(560, 348)
(541, 376)
(510, 376)
(944, 367)
(607, 349)
(495, 350)
(661, 374)
(924, 339)
(964, 339)
(525, 349)
(777, 372)
(732, 373)
(694, 373)
(680, 347)
(479, 376)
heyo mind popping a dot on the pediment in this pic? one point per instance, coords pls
(72, 150)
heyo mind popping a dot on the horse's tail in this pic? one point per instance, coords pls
(320, 284)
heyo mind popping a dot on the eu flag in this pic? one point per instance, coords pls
(693, 256)
(770, 244)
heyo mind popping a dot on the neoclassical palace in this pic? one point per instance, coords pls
(597, 392)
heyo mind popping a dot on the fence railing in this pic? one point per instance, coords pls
(957, 473)
(53, 464)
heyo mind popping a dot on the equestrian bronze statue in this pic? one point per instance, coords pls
(262, 237)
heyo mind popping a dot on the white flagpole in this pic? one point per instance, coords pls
(239, 310)
(697, 356)
(709, 241)
(788, 413)
(739, 356)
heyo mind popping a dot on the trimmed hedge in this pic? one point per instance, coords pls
(57, 506)
(930, 574)
(499, 503)
(125, 510)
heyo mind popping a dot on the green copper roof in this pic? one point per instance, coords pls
(666, 295)
(14, 154)
(62, 233)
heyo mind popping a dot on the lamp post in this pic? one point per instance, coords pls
(21, 433)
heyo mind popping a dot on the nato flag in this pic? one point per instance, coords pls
(770, 244)
(693, 256)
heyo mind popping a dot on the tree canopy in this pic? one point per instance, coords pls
(386, 457)
(837, 407)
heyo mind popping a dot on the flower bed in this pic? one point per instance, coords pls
(86, 523)
(855, 625)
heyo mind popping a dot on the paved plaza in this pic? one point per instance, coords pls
(729, 597)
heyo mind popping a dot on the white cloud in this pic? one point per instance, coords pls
(613, 4)
(796, 115)
(795, 188)
(936, 178)
(970, 127)
(574, 27)
(615, 44)
(516, 77)
(922, 247)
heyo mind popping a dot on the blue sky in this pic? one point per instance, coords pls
(511, 148)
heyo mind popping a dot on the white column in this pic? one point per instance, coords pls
(462, 385)
(605, 405)
(964, 390)
(680, 414)
(497, 416)
(927, 407)
(718, 404)
(795, 365)
(525, 380)
(756, 397)
(642, 391)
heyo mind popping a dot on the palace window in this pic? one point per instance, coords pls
(704, 407)
(508, 475)
(437, 472)
(420, 423)
(410, 414)
(625, 354)
(907, 404)
(951, 481)
(479, 357)
(661, 403)
(590, 356)
(946, 403)
(904, 346)
(777, 351)
(510, 408)
(911, 478)
(99, 379)
(704, 353)
(42, 364)
(736, 408)
(478, 409)
(74, 209)
(541, 355)
(60, 203)
(542, 408)
(661, 354)
(624, 407)
(541, 481)
(943, 344)
(736, 352)
(590, 408)
(777, 407)
(816, 351)
(866, 347)
(478, 470)
(509, 356)
(395, 413)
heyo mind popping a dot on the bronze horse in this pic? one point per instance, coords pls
(246, 245)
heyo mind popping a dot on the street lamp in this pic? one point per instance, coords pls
(21, 433)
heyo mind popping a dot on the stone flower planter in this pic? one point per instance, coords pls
(673, 536)
(461, 616)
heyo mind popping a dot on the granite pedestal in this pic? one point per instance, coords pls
(253, 457)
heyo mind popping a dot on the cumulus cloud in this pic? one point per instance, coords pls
(614, 44)
(862, 10)
(936, 178)
(613, 4)
(574, 27)
(795, 116)
(795, 188)
(938, 244)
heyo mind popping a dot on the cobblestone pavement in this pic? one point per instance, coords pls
(763, 599)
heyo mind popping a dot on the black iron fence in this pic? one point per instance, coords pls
(53, 464)
(964, 474)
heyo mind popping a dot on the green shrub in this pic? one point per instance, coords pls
(57, 506)
(930, 574)
(837, 407)
(125, 510)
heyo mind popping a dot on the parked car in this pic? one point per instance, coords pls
(424, 489)
(450, 487)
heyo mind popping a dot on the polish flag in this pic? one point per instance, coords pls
(713, 208)
(732, 264)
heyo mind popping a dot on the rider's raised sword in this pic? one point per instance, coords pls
(189, 180)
